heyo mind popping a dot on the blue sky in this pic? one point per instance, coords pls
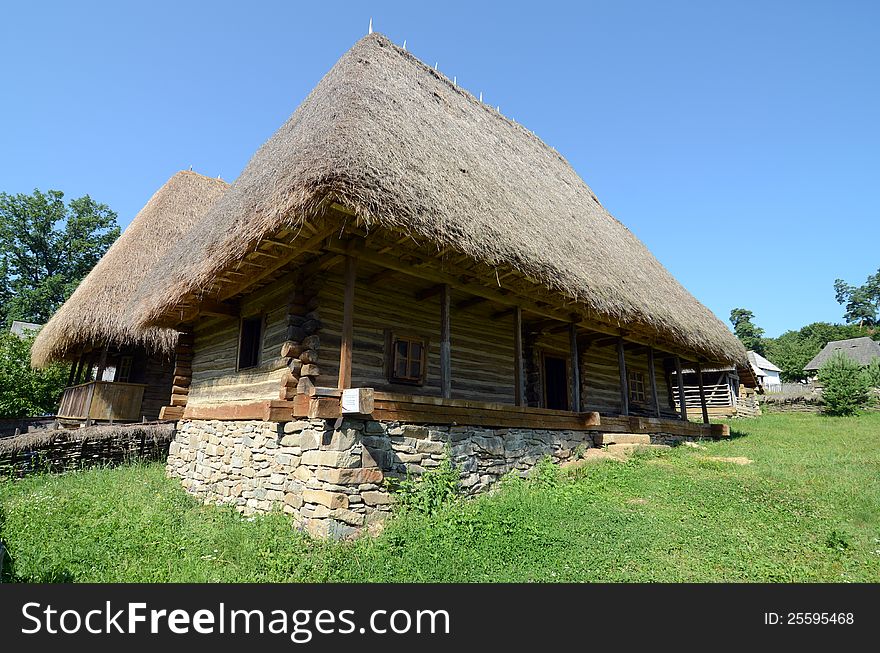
(738, 140)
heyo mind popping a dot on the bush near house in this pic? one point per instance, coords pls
(844, 385)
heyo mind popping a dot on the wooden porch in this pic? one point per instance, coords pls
(326, 403)
(110, 401)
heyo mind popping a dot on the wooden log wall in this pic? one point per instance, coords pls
(300, 350)
(600, 381)
(215, 377)
(482, 349)
(159, 376)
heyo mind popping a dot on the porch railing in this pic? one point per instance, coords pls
(103, 400)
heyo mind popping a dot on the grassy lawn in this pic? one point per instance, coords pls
(806, 509)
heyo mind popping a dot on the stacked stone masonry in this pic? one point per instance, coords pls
(330, 474)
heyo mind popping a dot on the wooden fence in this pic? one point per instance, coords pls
(63, 449)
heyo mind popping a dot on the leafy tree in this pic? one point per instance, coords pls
(844, 387)
(25, 391)
(745, 329)
(861, 303)
(46, 248)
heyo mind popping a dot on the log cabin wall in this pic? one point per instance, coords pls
(215, 377)
(482, 348)
(158, 373)
(600, 381)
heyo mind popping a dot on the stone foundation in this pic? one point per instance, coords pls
(329, 474)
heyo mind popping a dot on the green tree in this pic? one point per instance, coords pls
(47, 246)
(24, 391)
(861, 303)
(844, 387)
(745, 329)
(872, 373)
(794, 349)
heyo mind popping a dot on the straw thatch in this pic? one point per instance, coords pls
(156, 433)
(402, 146)
(95, 313)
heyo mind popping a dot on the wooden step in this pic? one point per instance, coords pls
(621, 438)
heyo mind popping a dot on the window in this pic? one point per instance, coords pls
(123, 374)
(250, 342)
(637, 387)
(407, 360)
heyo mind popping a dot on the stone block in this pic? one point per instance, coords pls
(331, 458)
(331, 500)
(374, 498)
(350, 476)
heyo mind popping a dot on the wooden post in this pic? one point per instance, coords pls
(518, 374)
(102, 364)
(73, 367)
(79, 368)
(699, 370)
(347, 323)
(445, 344)
(624, 383)
(653, 373)
(575, 368)
(682, 404)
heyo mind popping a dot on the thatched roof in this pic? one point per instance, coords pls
(403, 147)
(95, 313)
(862, 350)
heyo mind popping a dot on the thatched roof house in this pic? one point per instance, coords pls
(862, 350)
(94, 315)
(401, 146)
(133, 367)
(402, 254)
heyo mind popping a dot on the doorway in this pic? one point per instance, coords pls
(555, 382)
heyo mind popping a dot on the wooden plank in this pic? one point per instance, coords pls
(624, 382)
(219, 309)
(347, 323)
(445, 344)
(653, 374)
(171, 413)
(269, 410)
(575, 367)
(699, 370)
(518, 372)
(682, 401)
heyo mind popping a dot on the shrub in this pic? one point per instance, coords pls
(844, 386)
(872, 373)
(435, 489)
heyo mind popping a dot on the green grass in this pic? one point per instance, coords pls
(807, 509)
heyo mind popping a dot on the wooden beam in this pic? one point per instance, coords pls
(219, 309)
(653, 373)
(497, 315)
(682, 403)
(624, 382)
(345, 348)
(445, 343)
(427, 293)
(381, 276)
(699, 370)
(518, 372)
(470, 302)
(575, 368)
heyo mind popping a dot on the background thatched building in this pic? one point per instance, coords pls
(119, 371)
(398, 236)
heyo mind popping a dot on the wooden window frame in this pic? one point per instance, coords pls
(567, 359)
(391, 340)
(122, 366)
(262, 318)
(638, 393)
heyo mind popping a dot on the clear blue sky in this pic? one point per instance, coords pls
(738, 140)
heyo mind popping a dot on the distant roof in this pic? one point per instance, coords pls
(762, 363)
(861, 350)
(20, 328)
